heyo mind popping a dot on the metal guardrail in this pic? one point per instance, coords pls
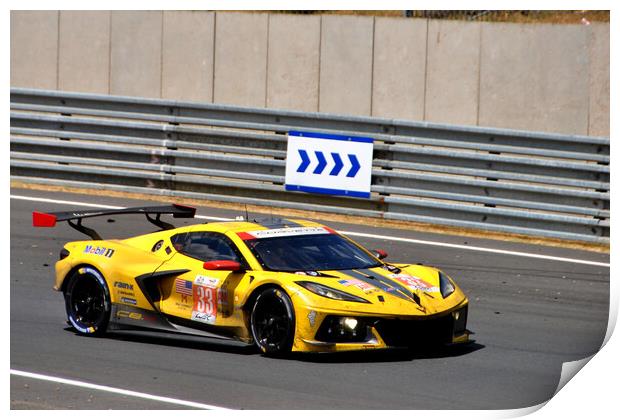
(510, 181)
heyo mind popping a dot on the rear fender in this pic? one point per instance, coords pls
(119, 263)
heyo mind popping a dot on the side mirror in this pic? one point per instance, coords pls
(379, 253)
(222, 265)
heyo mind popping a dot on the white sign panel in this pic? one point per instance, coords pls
(328, 164)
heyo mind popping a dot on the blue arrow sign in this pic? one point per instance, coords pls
(322, 162)
(355, 166)
(333, 164)
(337, 164)
(305, 161)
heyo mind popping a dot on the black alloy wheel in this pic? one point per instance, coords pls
(273, 322)
(87, 301)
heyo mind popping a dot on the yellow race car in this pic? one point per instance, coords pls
(285, 285)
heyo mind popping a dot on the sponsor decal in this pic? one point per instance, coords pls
(357, 283)
(132, 315)
(129, 301)
(184, 287)
(382, 282)
(137, 316)
(222, 296)
(312, 318)
(205, 304)
(85, 330)
(184, 306)
(206, 281)
(415, 283)
(291, 231)
(122, 285)
(392, 269)
(203, 317)
(99, 250)
(222, 301)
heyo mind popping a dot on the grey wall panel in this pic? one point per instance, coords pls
(346, 64)
(534, 77)
(135, 57)
(293, 62)
(399, 68)
(84, 51)
(599, 80)
(187, 56)
(552, 78)
(34, 49)
(452, 76)
(240, 58)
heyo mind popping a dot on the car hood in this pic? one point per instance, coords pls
(392, 288)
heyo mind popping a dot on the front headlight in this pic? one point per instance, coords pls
(445, 285)
(329, 293)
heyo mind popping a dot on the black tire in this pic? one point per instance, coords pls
(87, 301)
(273, 322)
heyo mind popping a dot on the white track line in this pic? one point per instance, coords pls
(115, 390)
(476, 248)
(358, 234)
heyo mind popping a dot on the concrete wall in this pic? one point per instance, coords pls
(452, 76)
(241, 59)
(187, 55)
(534, 77)
(346, 64)
(599, 80)
(34, 49)
(135, 54)
(399, 68)
(293, 62)
(84, 51)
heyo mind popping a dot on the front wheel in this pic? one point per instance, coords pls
(273, 322)
(87, 301)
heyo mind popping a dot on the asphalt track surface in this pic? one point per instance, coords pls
(530, 315)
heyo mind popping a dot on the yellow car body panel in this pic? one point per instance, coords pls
(215, 302)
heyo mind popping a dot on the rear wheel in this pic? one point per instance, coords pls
(273, 322)
(87, 301)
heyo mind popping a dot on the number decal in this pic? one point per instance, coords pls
(205, 304)
(204, 300)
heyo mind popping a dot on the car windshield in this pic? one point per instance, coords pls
(309, 253)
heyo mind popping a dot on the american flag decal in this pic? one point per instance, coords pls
(183, 287)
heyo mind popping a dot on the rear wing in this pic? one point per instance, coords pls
(74, 218)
